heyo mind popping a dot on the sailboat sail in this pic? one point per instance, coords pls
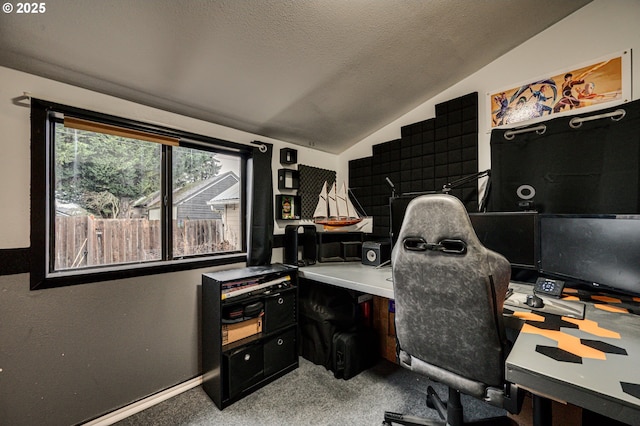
(332, 202)
(321, 208)
(335, 208)
(341, 201)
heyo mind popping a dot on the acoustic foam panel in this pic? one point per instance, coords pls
(311, 181)
(429, 154)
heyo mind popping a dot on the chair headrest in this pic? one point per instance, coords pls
(438, 219)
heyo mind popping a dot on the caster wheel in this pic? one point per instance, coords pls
(430, 403)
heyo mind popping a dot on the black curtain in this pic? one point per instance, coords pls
(592, 169)
(261, 228)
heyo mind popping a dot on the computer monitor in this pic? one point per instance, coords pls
(601, 251)
(397, 208)
(512, 234)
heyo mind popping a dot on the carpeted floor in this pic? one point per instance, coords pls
(310, 395)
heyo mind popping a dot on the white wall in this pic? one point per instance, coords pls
(601, 28)
(15, 141)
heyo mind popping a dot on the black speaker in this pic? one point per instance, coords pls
(375, 253)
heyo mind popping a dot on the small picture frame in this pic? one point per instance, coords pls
(287, 207)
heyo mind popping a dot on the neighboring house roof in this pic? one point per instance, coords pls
(230, 195)
(147, 200)
(69, 209)
(187, 192)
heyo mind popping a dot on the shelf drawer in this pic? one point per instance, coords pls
(280, 352)
(245, 368)
(279, 310)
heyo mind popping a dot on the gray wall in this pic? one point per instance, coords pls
(75, 353)
(70, 354)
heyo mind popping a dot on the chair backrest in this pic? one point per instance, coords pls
(449, 291)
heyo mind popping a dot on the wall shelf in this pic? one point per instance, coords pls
(288, 156)
(288, 179)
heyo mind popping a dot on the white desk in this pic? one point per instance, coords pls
(352, 275)
(592, 363)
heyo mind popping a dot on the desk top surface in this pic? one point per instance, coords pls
(593, 363)
(352, 275)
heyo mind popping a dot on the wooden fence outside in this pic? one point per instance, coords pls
(82, 241)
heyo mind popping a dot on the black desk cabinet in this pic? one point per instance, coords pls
(233, 370)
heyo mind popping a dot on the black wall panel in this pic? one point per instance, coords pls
(591, 169)
(428, 155)
(311, 181)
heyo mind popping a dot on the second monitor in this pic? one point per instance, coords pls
(512, 234)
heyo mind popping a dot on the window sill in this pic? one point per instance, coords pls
(61, 279)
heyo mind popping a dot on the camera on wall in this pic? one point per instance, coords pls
(525, 195)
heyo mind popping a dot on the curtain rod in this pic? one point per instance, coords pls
(261, 146)
(574, 123)
(510, 134)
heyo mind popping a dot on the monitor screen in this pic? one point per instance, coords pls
(512, 234)
(596, 250)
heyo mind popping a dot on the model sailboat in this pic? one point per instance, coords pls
(335, 208)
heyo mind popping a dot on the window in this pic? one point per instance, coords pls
(121, 198)
(206, 202)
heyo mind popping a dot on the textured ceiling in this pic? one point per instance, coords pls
(320, 73)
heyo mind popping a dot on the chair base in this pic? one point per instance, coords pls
(451, 412)
(402, 419)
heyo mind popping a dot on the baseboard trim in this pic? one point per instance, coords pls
(143, 404)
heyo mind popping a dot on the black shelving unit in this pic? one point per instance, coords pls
(339, 246)
(262, 308)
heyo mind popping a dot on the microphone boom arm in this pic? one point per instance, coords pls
(450, 185)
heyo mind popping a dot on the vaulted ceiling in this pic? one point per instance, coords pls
(319, 73)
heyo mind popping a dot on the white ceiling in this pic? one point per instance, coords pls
(320, 73)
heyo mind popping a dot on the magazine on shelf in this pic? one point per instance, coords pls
(251, 287)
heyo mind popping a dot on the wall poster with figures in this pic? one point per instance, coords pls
(598, 84)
